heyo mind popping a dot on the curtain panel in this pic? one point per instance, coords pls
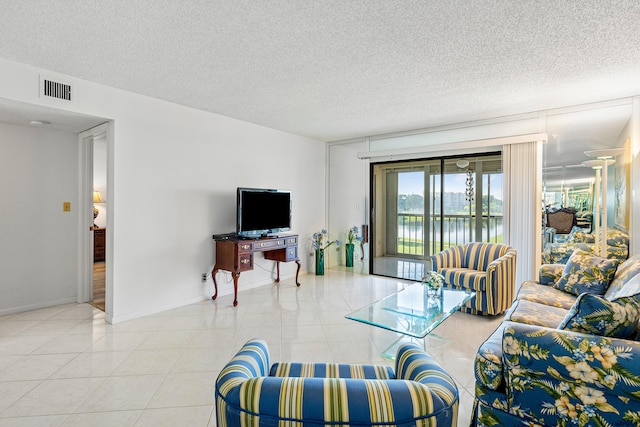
(523, 198)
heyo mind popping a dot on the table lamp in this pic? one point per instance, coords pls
(97, 198)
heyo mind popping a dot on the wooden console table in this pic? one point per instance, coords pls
(99, 238)
(235, 255)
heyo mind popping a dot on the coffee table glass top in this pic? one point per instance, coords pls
(411, 311)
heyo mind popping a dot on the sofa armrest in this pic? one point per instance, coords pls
(251, 361)
(549, 274)
(504, 267)
(413, 364)
(452, 257)
(553, 374)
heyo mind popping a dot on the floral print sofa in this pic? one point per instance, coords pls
(567, 352)
(559, 252)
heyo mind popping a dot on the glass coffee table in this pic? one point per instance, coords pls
(411, 312)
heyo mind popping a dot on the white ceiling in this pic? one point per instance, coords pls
(336, 69)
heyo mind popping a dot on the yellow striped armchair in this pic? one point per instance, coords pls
(250, 393)
(489, 269)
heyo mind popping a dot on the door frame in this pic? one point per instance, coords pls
(85, 223)
(381, 195)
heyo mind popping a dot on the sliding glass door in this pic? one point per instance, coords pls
(422, 207)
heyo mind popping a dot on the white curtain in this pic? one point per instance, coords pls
(523, 201)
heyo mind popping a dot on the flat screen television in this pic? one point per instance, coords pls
(261, 212)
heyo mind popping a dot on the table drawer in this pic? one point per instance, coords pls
(292, 253)
(264, 245)
(245, 262)
(245, 247)
(291, 240)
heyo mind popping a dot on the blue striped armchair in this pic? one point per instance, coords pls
(489, 269)
(249, 392)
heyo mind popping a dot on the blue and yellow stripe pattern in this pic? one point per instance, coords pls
(298, 394)
(489, 269)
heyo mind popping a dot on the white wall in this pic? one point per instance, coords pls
(172, 178)
(348, 199)
(38, 241)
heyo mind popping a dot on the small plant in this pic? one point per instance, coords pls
(352, 235)
(319, 239)
(433, 280)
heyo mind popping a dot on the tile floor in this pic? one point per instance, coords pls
(64, 366)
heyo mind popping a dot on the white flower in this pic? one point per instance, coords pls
(511, 345)
(582, 371)
(433, 279)
(590, 396)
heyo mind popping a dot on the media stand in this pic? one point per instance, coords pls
(235, 255)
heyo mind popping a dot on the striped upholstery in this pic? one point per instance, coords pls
(331, 370)
(489, 269)
(297, 394)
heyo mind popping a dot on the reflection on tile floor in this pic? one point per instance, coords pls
(64, 366)
(405, 268)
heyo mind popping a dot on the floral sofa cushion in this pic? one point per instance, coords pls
(578, 235)
(626, 281)
(559, 253)
(586, 272)
(532, 313)
(617, 238)
(547, 296)
(593, 314)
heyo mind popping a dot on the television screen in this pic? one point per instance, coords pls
(261, 212)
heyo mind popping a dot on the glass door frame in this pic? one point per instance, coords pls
(431, 214)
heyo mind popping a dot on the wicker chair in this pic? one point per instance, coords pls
(562, 220)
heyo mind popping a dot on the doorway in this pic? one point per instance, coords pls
(99, 219)
(95, 227)
(425, 206)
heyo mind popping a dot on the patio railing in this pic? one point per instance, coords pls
(444, 233)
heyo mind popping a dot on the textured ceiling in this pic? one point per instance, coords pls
(336, 69)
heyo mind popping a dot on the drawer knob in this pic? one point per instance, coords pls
(244, 261)
(245, 246)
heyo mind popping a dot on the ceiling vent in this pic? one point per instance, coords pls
(54, 89)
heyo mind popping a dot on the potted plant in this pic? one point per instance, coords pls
(320, 243)
(352, 237)
(433, 281)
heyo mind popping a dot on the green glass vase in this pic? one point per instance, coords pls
(319, 262)
(349, 247)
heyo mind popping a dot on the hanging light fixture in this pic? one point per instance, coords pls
(469, 192)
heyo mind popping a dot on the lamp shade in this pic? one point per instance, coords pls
(97, 198)
(605, 153)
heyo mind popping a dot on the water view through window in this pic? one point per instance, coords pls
(426, 206)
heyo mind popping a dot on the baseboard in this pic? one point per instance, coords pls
(223, 289)
(37, 306)
(155, 310)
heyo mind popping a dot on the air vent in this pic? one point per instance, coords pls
(50, 88)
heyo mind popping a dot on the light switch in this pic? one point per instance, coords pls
(66, 206)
